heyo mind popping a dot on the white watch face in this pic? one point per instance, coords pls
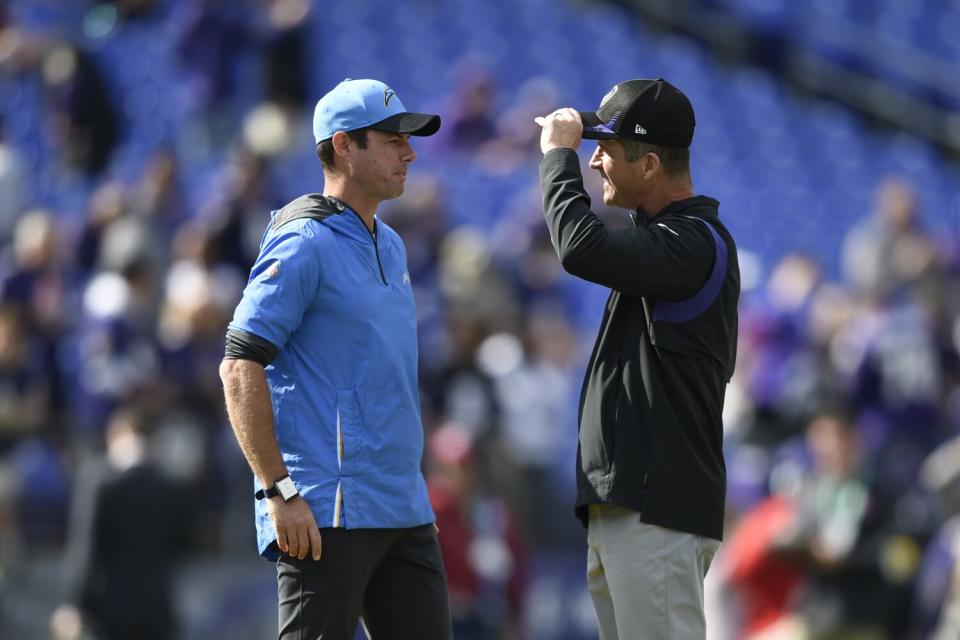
(286, 488)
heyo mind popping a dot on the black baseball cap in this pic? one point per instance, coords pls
(651, 111)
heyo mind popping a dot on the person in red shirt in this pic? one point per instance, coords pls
(479, 541)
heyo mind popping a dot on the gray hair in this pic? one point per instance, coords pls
(675, 160)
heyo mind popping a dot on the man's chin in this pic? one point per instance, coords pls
(394, 193)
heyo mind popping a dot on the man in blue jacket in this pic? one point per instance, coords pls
(320, 379)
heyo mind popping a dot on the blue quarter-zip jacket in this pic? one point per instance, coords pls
(338, 305)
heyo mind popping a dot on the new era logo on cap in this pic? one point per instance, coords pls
(653, 111)
(359, 104)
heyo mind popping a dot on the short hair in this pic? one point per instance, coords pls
(675, 160)
(325, 148)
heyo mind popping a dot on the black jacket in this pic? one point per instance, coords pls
(651, 432)
(129, 528)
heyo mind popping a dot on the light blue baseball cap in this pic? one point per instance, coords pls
(356, 104)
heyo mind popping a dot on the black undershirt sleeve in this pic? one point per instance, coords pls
(241, 345)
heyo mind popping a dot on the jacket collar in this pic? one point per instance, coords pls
(697, 206)
(328, 209)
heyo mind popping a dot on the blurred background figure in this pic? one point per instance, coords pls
(129, 528)
(834, 535)
(82, 113)
(485, 560)
(286, 53)
(472, 117)
(888, 250)
(211, 47)
(143, 144)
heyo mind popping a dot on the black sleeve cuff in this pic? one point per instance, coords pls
(241, 345)
(559, 158)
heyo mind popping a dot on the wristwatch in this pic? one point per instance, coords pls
(283, 487)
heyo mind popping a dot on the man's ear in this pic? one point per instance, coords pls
(342, 144)
(651, 164)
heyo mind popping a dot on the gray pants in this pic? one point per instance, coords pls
(646, 581)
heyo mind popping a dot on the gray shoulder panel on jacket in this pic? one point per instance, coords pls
(311, 205)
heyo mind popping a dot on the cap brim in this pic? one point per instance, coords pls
(594, 128)
(416, 124)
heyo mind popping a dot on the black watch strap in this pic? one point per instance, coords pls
(283, 487)
(268, 493)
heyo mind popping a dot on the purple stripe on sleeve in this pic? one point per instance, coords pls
(693, 306)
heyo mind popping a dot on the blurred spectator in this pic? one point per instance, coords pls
(535, 388)
(158, 196)
(197, 305)
(33, 281)
(936, 607)
(214, 34)
(786, 376)
(107, 204)
(30, 274)
(235, 216)
(841, 532)
(83, 116)
(461, 390)
(522, 242)
(516, 142)
(473, 284)
(130, 525)
(472, 121)
(286, 53)
(482, 553)
(25, 399)
(888, 250)
(43, 489)
(764, 582)
(420, 217)
(890, 364)
(11, 185)
(211, 47)
(117, 357)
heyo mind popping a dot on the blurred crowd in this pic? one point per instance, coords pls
(841, 421)
(841, 444)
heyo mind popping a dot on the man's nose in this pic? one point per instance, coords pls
(409, 155)
(595, 158)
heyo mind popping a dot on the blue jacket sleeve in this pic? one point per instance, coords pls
(283, 282)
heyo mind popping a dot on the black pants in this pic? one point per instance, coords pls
(393, 577)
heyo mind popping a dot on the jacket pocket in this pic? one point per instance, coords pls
(349, 429)
(610, 419)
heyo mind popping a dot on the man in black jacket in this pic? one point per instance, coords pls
(131, 523)
(651, 480)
